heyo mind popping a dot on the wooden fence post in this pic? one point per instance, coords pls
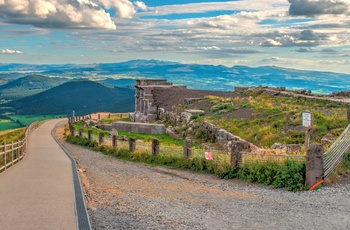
(236, 154)
(314, 165)
(90, 134)
(101, 138)
(132, 144)
(21, 149)
(99, 116)
(114, 141)
(72, 129)
(12, 153)
(17, 150)
(155, 147)
(4, 155)
(81, 132)
(188, 148)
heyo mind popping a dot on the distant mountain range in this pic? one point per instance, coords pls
(220, 78)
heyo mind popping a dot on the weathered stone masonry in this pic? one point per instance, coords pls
(154, 94)
(145, 109)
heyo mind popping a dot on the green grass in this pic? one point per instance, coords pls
(275, 119)
(289, 174)
(8, 124)
(164, 139)
(28, 119)
(343, 170)
(18, 121)
(116, 117)
(11, 135)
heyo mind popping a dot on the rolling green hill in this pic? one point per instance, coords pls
(83, 97)
(27, 86)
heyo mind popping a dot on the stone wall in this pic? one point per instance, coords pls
(184, 127)
(136, 127)
(154, 94)
(145, 110)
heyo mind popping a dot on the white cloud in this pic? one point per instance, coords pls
(67, 13)
(9, 51)
(243, 5)
(140, 5)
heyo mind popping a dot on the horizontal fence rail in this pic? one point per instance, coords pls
(247, 157)
(13, 152)
(335, 154)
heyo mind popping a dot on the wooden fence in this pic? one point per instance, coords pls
(237, 157)
(13, 152)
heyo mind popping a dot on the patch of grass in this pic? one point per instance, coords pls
(116, 117)
(11, 135)
(276, 119)
(18, 121)
(288, 174)
(343, 170)
(164, 139)
(8, 125)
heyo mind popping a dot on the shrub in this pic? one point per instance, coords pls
(289, 174)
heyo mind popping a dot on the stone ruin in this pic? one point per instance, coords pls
(145, 108)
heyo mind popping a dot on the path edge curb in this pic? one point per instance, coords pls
(81, 214)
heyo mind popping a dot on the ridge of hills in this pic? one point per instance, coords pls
(28, 85)
(82, 96)
(196, 76)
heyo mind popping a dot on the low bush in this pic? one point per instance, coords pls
(289, 175)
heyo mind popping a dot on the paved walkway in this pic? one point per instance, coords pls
(37, 193)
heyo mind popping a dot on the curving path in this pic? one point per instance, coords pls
(37, 193)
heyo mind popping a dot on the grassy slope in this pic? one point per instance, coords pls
(275, 119)
(11, 136)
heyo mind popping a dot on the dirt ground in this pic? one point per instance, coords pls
(125, 195)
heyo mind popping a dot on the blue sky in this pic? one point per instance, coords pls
(302, 34)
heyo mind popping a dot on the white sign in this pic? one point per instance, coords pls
(307, 119)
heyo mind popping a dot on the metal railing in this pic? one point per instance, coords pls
(13, 152)
(335, 154)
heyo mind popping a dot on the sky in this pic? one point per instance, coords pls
(300, 34)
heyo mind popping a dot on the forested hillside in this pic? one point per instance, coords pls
(81, 96)
(27, 86)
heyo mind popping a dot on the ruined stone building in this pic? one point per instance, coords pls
(152, 94)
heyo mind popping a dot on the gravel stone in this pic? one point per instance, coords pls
(126, 195)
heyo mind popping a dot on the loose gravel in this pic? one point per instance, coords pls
(126, 195)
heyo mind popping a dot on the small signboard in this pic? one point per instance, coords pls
(307, 119)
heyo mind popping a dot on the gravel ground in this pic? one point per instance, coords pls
(125, 195)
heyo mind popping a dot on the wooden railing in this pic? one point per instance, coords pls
(13, 152)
